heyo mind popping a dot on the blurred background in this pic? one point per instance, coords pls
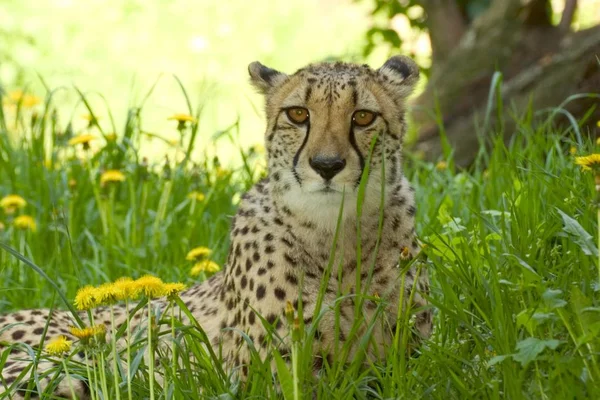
(116, 50)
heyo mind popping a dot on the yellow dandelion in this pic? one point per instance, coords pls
(25, 222)
(405, 253)
(108, 293)
(171, 289)
(59, 345)
(588, 163)
(82, 333)
(257, 149)
(90, 118)
(83, 139)
(204, 266)
(30, 100)
(150, 286)
(197, 253)
(441, 166)
(289, 311)
(11, 202)
(573, 150)
(85, 298)
(15, 95)
(112, 175)
(195, 195)
(85, 334)
(181, 118)
(111, 137)
(26, 100)
(128, 287)
(598, 139)
(222, 172)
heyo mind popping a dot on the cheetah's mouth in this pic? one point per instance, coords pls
(327, 189)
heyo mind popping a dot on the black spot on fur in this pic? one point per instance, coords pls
(261, 290)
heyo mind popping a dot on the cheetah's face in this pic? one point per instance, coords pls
(320, 125)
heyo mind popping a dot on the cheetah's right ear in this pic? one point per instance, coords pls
(401, 74)
(264, 78)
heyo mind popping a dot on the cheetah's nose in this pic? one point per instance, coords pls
(327, 167)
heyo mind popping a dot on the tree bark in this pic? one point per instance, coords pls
(446, 26)
(538, 62)
(567, 16)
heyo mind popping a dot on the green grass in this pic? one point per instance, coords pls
(510, 246)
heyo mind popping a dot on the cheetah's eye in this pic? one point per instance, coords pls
(363, 117)
(297, 115)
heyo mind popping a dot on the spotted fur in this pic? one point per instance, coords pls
(282, 237)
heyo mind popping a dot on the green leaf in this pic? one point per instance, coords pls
(285, 377)
(531, 273)
(579, 235)
(530, 348)
(553, 298)
(497, 359)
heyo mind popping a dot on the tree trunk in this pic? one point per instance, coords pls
(540, 64)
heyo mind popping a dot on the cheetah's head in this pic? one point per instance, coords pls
(320, 124)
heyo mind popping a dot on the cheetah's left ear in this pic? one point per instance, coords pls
(264, 78)
(400, 74)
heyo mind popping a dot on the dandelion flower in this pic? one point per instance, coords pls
(26, 100)
(128, 287)
(150, 286)
(11, 202)
(171, 289)
(108, 293)
(573, 150)
(198, 253)
(289, 311)
(204, 266)
(405, 253)
(588, 163)
(222, 172)
(441, 166)
(182, 118)
(91, 119)
(83, 139)
(258, 149)
(15, 95)
(112, 175)
(59, 345)
(111, 137)
(85, 298)
(82, 333)
(195, 195)
(25, 222)
(85, 334)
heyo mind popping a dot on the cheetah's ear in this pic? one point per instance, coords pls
(264, 78)
(400, 74)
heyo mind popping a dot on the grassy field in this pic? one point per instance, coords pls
(510, 246)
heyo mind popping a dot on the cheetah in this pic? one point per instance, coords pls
(330, 126)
